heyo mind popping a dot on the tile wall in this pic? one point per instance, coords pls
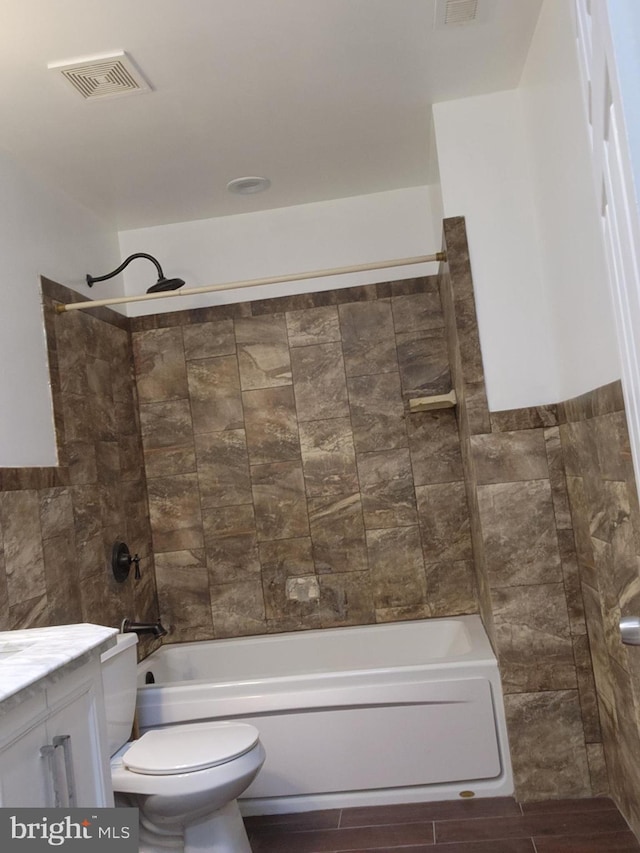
(289, 487)
(526, 565)
(604, 507)
(58, 525)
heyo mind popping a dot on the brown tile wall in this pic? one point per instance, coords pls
(526, 564)
(58, 525)
(604, 506)
(288, 486)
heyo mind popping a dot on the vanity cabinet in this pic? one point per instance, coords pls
(53, 748)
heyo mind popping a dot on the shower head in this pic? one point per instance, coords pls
(166, 284)
(161, 285)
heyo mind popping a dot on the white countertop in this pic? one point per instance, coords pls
(29, 655)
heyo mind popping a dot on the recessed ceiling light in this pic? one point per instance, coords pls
(248, 185)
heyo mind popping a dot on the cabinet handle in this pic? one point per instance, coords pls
(64, 742)
(49, 752)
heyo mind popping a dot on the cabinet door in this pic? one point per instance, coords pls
(25, 776)
(74, 731)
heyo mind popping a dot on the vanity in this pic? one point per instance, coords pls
(53, 750)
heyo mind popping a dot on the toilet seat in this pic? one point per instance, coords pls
(184, 749)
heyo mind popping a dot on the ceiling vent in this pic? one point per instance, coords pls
(453, 12)
(106, 76)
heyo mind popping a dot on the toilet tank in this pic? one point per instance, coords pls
(119, 686)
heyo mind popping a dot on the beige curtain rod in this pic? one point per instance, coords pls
(255, 282)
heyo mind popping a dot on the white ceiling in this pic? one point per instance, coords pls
(327, 98)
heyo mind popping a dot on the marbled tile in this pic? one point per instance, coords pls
(174, 512)
(520, 541)
(23, 557)
(476, 408)
(279, 499)
(396, 566)
(86, 511)
(532, 624)
(287, 557)
(167, 438)
(263, 352)
(223, 468)
(368, 338)
(183, 595)
(160, 365)
(557, 477)
(232, 559)
(580, 521)
(597, 770)
(535, 417)
(434, 444)
(319, 382)
(328, 457)
(229, 521)
(238, 609)
(209, 340)
(444, 521)
(61, 579)
(386, 485)
(587, 689)
(345, 599)
(377, 412)
(313, 326)
(416, 311)
(423, 362)
(457, 249)
(401, 614)
(547, 745)
(271, 425)
(571, 578)
(337, 533)
(510, 456)
(214, 392)
(295, 302)
(56, 513)
(451, 588)
(598, 645)
(609, 507)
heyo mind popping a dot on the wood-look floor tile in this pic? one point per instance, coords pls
(608, 842)
(530, 825)
(444, 810)
(351, 839)
(294, 822)
(589, 804)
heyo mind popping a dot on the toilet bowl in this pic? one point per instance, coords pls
(183, 779)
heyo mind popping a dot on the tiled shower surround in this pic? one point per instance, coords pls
(265, 466)
(289, 488)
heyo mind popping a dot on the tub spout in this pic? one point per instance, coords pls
(155, 628)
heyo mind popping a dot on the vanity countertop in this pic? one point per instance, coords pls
(27, 656)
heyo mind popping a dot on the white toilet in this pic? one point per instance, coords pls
(183, 779)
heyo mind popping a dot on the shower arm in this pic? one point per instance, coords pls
(91, 279)
(255, 282)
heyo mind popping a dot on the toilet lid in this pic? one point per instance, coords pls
(181, 749)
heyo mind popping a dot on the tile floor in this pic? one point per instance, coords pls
(472, 826)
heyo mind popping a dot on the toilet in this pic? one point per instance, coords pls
(185, 780)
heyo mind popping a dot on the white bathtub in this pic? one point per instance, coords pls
(399, 712)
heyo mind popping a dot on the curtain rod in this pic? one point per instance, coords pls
(255, 282)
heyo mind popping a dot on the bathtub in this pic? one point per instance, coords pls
(371, 715)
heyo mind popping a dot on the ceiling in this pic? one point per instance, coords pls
(326, 98)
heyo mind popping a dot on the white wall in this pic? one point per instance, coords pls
(343, 232)
(484, 177)
(571, 244)
(516, 165)
(41, 233)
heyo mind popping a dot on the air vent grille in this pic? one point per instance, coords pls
(452, 12)
(103, 76)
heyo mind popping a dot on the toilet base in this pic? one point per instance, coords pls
(221, 832)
